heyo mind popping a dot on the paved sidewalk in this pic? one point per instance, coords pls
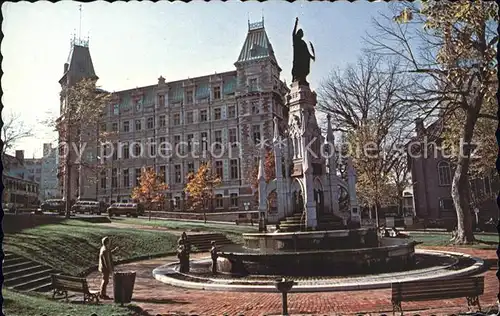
(158, 298)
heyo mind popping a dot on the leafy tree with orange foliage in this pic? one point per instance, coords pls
(199, 187)
(151, 188)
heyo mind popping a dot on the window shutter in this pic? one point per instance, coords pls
(224, 136)
(224, 112)
(195, 116)
(225, 169)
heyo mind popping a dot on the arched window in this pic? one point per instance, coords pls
(444, 173)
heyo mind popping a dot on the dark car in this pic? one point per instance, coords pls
(54, 205)
(128, 209)
(91, 207)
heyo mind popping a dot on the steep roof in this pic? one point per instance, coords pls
(257, 45)
(79, 62)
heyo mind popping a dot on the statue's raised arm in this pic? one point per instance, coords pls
(295, 27)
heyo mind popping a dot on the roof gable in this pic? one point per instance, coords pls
(256, 45)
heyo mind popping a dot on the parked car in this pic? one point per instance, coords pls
(91, 207)
(54, 205)
(128, 209)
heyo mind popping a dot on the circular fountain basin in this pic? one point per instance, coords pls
(392, 254)
(445, 265)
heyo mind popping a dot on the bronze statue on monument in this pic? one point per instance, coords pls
(301, 56)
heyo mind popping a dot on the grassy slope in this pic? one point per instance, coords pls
(231, 231)
(484, 241)
(17, 304)
(73, 246)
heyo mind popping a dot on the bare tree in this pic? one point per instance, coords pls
(369, 103)
(83, 104)
(13, 130)
(451, 48)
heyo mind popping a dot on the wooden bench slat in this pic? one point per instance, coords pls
(429, 297)
(436, 289)
(437, 283)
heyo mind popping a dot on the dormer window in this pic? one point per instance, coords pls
(116, 109)
(253, 50)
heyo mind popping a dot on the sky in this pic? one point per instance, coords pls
(134, 43)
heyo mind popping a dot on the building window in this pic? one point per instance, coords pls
(163, 173)
(126, 126)
(253, 84)
(126, 181)
(231, 111)
(444, 173)
(232, 135)
(189, 117)
(137, 150)
(138, 176)
(189, 96)
(126, 151)
(177, 140)
(152, 147)
(256, 133)
(115, 151)
(114, 179)
(138, 125)
(219, 202)
(219, 170)
(218, 136)
(234, 199)
(150, 122)
(203, 116)
(116, 109)
(162, 146)
(234, 168)
(114, 127)
(255, 108)
(190, 138)
(162, 121)
(177, 119)
(161, 100)
(217, 114)
(204, 141)
(103, 179)
(216, 93)
(178, 176)
(190, 167)
(138, 105)
(103, 127)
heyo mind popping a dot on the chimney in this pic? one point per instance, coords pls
(20, 156)
(419, 127)
(66, 66)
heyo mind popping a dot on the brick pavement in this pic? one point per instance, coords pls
(157, 298)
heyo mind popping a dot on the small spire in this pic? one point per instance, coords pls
(276, 129)
(329, 131)
(262, 171)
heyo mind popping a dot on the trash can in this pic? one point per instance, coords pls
(123, 286)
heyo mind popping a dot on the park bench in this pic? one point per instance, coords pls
(63, 283)
(468, 287)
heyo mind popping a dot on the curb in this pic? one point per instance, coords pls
(161, 274)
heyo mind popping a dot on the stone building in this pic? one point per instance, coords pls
(44, 171)
(173, 126)
(20, 187)
(432, 174)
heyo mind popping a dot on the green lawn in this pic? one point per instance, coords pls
(17, 304)
(439, 239)
(73, 246)
(233, 232)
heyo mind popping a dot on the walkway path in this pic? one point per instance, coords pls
(158, 298)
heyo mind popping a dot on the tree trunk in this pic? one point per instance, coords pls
(460, 185)
(67, 163)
